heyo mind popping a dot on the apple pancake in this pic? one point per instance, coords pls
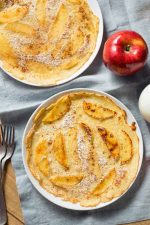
(46, 41)
(82, 149)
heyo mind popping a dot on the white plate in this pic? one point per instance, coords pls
(97, 11)
(57, 200)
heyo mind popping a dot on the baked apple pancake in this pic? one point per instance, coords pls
(82, 149)
(44, 42)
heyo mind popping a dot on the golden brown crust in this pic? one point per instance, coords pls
(110, 141)
(133, 126)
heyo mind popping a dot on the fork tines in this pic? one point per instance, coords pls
(7, 141)
(7, 134)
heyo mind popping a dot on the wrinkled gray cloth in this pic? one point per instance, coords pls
(18, 102)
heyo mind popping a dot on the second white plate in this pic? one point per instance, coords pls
(97, 11)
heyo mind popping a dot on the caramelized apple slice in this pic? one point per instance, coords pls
(2, 5)
(94, 166)
(58, 27)
(44, 167)
(39, 115)
(59, 149)
(88, 132)
(97, 111)
(6, 51)
(40, 151)
(78, 2)
(21, 28)
(105, 183)
(126, 150)
(71, 46)
(41, 158)
(74, 44)
(72, 147)
(110, 141)
(13, 14)
(41, 11)
(89, 20)
(66, 181)
(59, 110)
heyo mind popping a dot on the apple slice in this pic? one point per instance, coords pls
(59, 109)
(41, 11)
(73, 45)
(110, 141)
(88, 19)
(97, 111)
(44, 167)
(41, 158)
(2, 5)
(6, 51)
(93, 164)
(104, 184)
(126, 150)
(88, 132)
(21, 28)
(13, 14)
(67, 180)
(78, 2)
(58, 27)
(58, 148)
(72, 147)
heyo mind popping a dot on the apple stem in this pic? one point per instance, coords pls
(127, 48)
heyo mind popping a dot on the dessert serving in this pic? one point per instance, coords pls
(45, 42)
(82, 149)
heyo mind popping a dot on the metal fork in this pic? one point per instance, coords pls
(9, 139)
(2, 149)
(3, 215)
(7, 146)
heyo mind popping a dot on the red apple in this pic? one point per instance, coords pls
(125, 52)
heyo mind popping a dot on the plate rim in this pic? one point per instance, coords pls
(80, 70)
(57, 200)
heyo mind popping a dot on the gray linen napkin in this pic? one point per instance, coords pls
(18, 102)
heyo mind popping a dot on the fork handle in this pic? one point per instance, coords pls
(3, 214)
(3, 171)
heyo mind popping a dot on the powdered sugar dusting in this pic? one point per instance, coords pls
(102, 161)
(47, 59)
(68, 120)
(86, 183)
(81, 148)
(82, 151)
(121, 172)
